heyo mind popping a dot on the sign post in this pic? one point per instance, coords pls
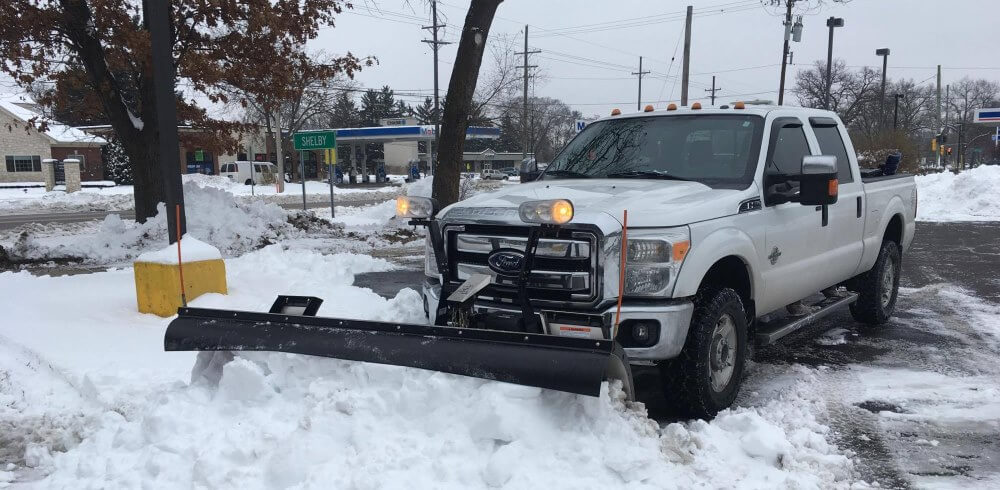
(315, 140)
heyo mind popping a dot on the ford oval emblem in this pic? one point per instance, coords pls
(506, 261)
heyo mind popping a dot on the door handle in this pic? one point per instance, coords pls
(859, 206)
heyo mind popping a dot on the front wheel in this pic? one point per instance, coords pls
(878, 288)
(706, 377)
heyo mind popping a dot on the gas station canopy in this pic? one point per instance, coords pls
(407, 133)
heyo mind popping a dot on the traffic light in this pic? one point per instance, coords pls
(934, 144)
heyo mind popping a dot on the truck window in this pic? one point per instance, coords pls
(787, 151)
(720, 151)
(830, 143)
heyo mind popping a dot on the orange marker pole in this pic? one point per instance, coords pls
(621, 274)
(180, 265)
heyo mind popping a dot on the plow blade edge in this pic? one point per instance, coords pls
(558, 363)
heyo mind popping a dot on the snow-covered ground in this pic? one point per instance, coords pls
(90, 400)
(973, 195)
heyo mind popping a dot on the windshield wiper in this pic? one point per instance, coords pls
(652, 174)
(566, 173)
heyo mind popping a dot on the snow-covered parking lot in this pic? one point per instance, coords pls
(88, 398)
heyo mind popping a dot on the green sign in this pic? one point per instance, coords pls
(315, 140)
(199, 155)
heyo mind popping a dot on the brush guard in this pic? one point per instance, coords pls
(528, 357)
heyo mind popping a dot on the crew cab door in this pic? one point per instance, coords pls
(845, 225)
(790, 260)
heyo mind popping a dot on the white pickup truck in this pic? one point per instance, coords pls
(729, 216)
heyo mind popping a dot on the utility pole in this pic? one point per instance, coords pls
(638, 103)
(159, 25)
(435, 45)
(832, 23)
(713, 90)
(784, 51)
(686, 74)
(524, 117)
(937, 115)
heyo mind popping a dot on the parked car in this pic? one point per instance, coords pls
(511, 172)
(491, 174)
(249, 172)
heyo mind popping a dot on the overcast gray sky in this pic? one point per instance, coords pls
(587, 56)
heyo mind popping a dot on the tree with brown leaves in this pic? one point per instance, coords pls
(102, 46)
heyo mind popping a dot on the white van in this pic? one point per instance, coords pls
(249, 172)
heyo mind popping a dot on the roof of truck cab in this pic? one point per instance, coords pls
(756, 110)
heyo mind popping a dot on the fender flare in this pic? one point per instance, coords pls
(705, 253)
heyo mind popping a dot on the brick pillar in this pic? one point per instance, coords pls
(49, 172)
(72, 168)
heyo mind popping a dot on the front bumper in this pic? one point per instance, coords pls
(674, 317)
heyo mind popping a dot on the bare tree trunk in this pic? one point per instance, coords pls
(458, 104)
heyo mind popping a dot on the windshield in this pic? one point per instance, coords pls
(717, 150)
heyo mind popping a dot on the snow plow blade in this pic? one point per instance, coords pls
(567, 364)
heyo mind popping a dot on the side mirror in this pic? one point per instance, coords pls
(818, 182)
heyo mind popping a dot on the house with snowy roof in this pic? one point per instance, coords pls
(23, 146)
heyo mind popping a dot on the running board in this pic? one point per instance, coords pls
(769, 332)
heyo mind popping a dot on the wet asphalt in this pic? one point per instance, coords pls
(927, 333)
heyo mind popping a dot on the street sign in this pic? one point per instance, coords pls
(315, 140)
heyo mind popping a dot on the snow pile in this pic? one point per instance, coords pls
(213, 216)
(374, 216)
(973, 195)
(264, 420)
(66, 366)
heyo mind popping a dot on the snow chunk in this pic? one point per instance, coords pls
(191, 250)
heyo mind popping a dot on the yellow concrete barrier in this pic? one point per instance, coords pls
(158, 290)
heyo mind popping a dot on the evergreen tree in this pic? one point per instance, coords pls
(345, 112)
(116, 163)
(425, 112)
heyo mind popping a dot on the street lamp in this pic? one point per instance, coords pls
(884, 53)
(832, 22)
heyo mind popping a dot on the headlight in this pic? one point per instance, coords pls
(653, 259)
(549, 212)
(414, 207)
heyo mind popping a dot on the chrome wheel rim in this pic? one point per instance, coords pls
(722, 354)
(888, 282)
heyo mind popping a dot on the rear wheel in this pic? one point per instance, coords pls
(878, 288)
(248, 182)
(706, 377)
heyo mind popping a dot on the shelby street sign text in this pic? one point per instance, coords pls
(315, 140)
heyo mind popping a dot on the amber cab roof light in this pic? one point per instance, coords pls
(672, 107)
(739, 105)
(616, 112)
(648, 108)
(696, 106)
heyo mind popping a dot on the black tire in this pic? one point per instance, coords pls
(688, 378)
(248, 182)
(875, 304)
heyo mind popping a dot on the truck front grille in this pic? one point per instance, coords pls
(564, 269)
